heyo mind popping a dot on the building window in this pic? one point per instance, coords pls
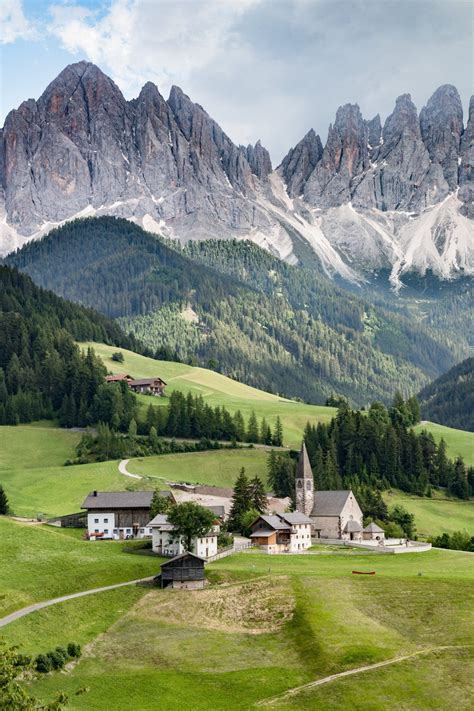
(96, 520)
(106, 530)
(115, 530)
(106, 520)
(129, 530)
(150, 530)
(96, 530)
(142, 530)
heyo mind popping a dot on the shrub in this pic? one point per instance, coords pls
(43, 663)
(118, 357)
(57, 660)
(74, 650)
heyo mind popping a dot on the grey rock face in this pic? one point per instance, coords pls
(300, 162)
(259, 161)
(83, 144)
(441, 125)
(374, 133)
(466, 168)
(345, 156)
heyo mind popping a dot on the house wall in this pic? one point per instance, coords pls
(300, 538)
(111, 526)
(164, 544)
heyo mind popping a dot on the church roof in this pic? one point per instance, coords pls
(329, 503)
(373, 528)
(352, 527)
(303, 470)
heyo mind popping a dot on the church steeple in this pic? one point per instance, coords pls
(304, 483)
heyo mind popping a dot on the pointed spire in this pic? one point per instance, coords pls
(303, 470)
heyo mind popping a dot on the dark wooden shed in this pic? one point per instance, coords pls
(183, 571)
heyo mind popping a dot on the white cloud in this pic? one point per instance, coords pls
(162, 40)
(13, 23)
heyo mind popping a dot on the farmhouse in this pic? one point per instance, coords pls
(119, 378)
(333, 514)
(148, 386)
(183, 571)
(119, 514)
(164, 541)
(282, 533)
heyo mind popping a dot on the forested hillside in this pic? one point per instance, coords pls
(449, 400)
(233, 307)
(43, 374)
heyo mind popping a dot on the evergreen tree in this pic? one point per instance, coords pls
(278, 433)
(4, 508)
(241, 501)
(252, 428)
(258, 495)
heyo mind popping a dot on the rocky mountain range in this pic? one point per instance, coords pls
(397, 196)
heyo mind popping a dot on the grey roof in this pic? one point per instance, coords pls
(182, 555)
(262, 534)
(120, 499)
(352, 527)
(147, 381)
(159, 521)
(373, 528)
(303, 470)
(329, 503)
(274, 522)
(295, 517)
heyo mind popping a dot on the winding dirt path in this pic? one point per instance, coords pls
(122, 467)
(54, 601)
(333, 677)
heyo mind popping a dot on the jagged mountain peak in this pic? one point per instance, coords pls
(370, 197)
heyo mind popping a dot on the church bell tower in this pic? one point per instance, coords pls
(304, 483)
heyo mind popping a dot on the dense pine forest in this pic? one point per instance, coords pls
(233, 307)
(449, 400)
(43, 374)
(380, 450)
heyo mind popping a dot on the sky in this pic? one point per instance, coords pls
(263, 69)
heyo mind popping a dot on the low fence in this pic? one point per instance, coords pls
(390, 547)
(229, 551)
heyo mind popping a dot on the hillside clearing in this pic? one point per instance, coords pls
(436, 515)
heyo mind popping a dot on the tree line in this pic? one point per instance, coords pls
(380, 449)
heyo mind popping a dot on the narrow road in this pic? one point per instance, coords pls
(333, 677)
(122, 467)
(47, 603)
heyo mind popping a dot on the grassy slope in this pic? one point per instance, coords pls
(437, 515)
(40, 562)
(340, 621)
(459, 442)
(219, 390)
(36, 482)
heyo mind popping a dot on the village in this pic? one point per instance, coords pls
(320, 517)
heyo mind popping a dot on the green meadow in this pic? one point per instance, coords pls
(458, 442)
(266, 624)
(437, 515)
(37, 482)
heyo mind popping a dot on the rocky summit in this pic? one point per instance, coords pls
(397, 196)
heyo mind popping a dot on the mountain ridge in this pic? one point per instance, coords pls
(396, 196)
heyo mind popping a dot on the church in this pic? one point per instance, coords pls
(333, 514)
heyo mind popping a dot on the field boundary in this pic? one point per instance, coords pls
(358, 670)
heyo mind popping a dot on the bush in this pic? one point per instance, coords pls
(393, 530)
(43, 663)
(74, 650)
(56, 659)
(118, 357)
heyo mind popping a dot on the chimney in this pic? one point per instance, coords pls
(95, 493)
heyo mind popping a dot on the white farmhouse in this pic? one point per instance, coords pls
(282, 533)
(164, 542)
(119, 514)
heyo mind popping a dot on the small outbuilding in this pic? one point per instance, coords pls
(184, 571)
(372, 532)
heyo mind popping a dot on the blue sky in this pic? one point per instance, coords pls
(268, 69)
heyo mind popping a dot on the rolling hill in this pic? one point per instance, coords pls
(259, 320)
(449, 400)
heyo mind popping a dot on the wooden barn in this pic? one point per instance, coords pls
(184, 571)
(148, 386)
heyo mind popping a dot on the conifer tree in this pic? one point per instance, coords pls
(252, 428)
(258, 495)
(278, 433)
(4, 508)
(241, 501)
